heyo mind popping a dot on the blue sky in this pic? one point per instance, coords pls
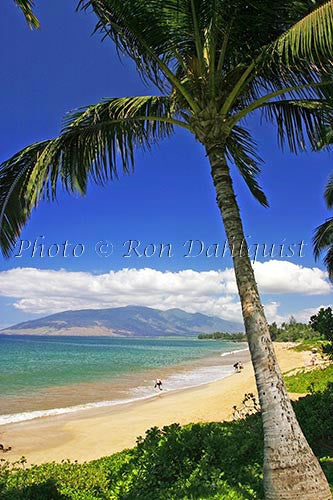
(169, 198)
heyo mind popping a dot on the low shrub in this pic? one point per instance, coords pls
(213, 461)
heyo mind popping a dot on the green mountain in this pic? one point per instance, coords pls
(127, 321)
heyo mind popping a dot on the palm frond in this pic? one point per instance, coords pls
(298, 121)
(150, 33)
(323, 240)
(241, 149)
(144, 31)
(325, 138)
(323, 237)
(328, 261)
(328, 194)
(298, 63)
(309, 41)
(26, 7)
(92, 143)
(14, 178)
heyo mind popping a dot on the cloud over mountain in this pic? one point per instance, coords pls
(43, 291)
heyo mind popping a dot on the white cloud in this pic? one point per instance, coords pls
(272, 312)
(40, 291)
(304, 315)
(46, 291)
(276, 276)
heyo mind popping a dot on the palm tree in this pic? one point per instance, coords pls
(323, 237)
(213, 62)
(26, 7)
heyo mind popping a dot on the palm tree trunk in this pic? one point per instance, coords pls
(291, 470)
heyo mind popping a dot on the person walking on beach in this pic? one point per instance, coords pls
(158, 384)
(238, 366)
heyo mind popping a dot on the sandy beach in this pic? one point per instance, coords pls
(97, 432)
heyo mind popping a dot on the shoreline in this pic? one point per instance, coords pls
(129, 387)
(93, 433)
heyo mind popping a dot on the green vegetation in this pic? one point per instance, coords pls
(317, 334)
(322, 323)
(239, 337)
(198, 461)
(313, 334)
(309, 381)
(292, 331)
(309, 344)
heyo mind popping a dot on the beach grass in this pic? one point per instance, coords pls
(309, 344)
(198, 461)
(305, 381)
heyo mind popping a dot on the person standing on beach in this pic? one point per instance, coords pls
(158, 384)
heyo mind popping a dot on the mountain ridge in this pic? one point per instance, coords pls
(128, 321)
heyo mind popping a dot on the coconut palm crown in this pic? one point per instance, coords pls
(214, 63)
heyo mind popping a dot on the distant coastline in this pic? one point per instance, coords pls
(235, 337)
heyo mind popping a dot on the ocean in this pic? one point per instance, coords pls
(49, 375)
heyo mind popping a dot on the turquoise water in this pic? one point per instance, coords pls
(48, 365)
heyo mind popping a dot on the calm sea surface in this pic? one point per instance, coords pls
(51, 375)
